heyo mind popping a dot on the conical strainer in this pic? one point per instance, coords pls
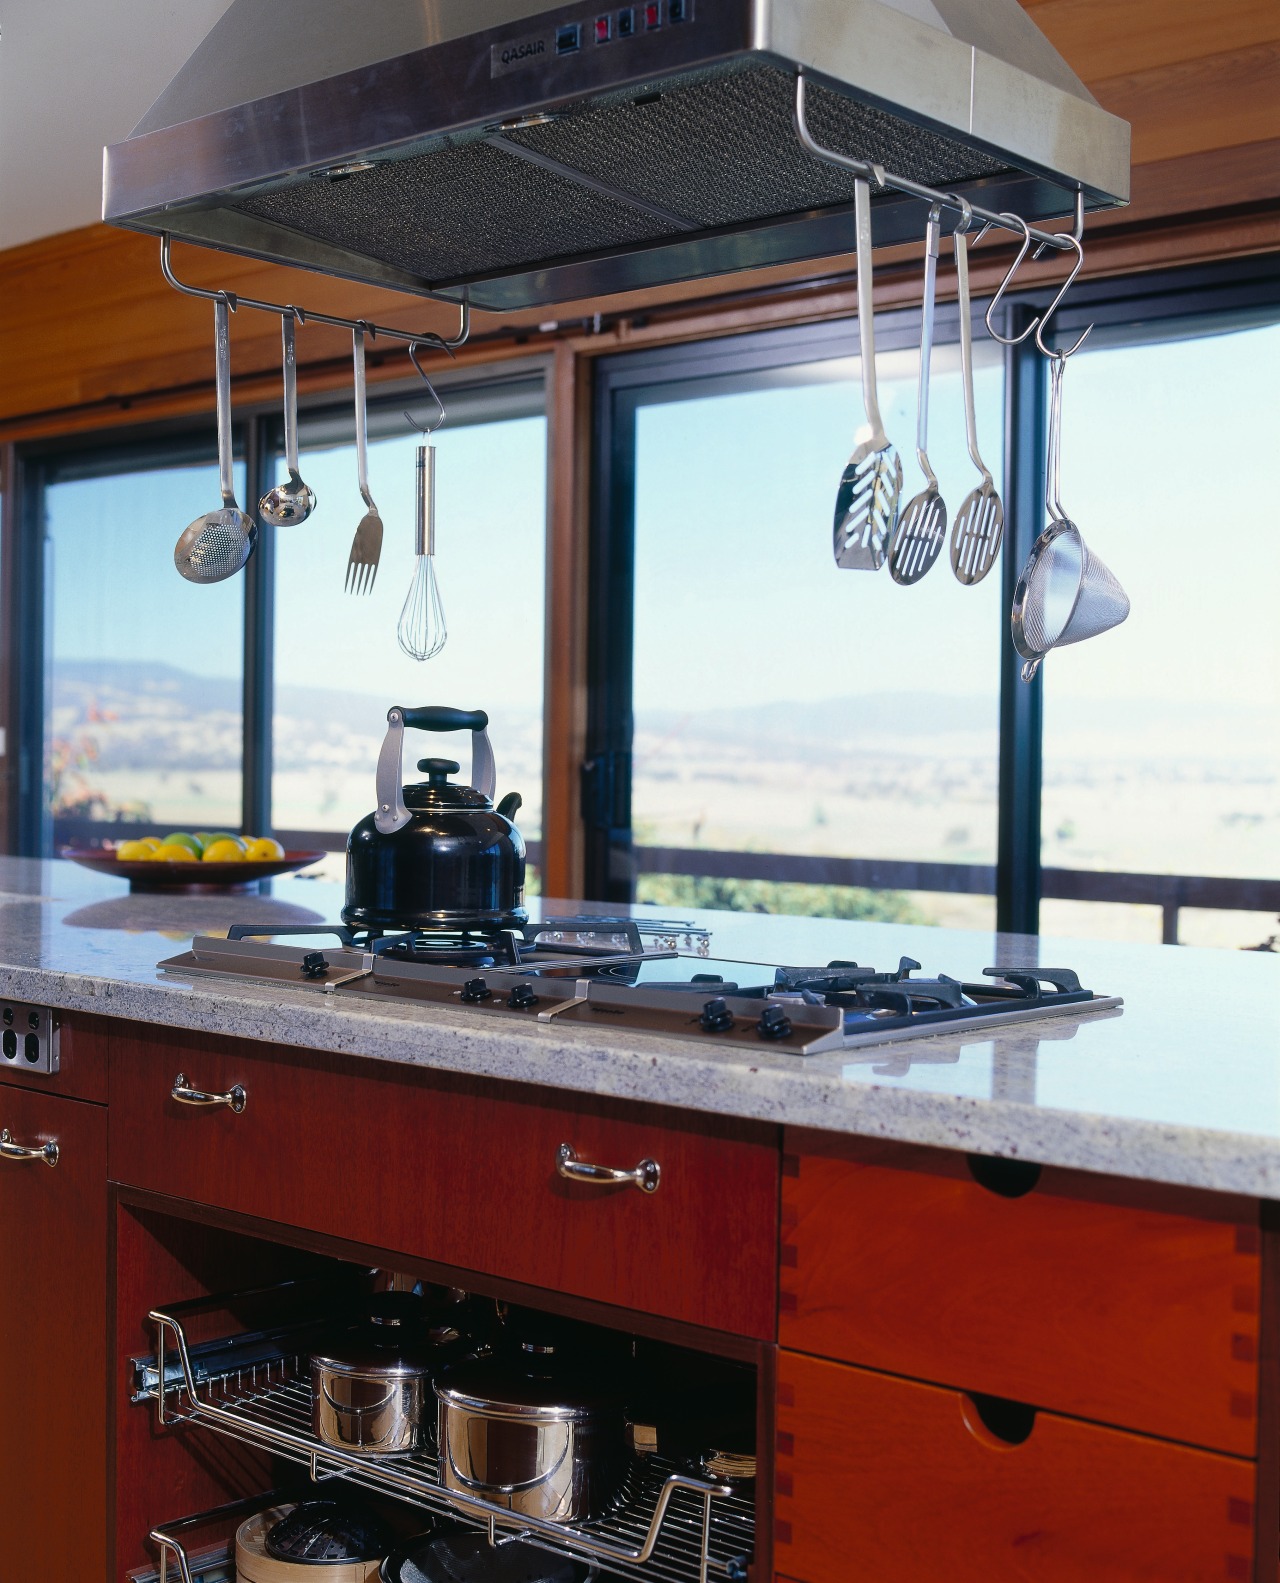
(1065, 594)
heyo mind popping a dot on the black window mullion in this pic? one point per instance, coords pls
(1021, 703)
(606, 770)
(259, 643)
(26, 575)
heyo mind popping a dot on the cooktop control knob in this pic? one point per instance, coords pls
(314, 965)
(716, 1016)
(475, 990)
(522, 998)
(774, 1023)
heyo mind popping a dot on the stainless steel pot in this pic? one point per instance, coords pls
(528, 1437)
(371, 1388)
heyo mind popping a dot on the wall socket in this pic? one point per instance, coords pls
(28, 1038)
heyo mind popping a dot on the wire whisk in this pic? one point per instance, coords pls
(422, 632)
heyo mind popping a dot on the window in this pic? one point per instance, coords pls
(144, 718)
(787, 710)
(338, 667)
(1162, 739)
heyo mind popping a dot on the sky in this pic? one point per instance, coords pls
(1165, 469)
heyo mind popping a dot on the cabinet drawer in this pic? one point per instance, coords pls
(884, 1478)
(461, 1172)
(1133, 1305)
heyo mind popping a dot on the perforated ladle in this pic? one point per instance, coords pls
(217, 545)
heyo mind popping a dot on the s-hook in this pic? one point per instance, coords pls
(1049, 312)
(426, 429)
(1021, 224)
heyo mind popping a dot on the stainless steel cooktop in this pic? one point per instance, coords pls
(652, 977)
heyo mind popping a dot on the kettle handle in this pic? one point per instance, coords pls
(391, 814)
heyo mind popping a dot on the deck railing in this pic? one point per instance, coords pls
(1170, 892)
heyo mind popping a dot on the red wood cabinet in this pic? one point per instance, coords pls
(462, 1172)
(53, 1321)
(877, 1477)
(1118, 1302)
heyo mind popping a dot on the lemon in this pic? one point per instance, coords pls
(151, 842)
(181, 838)
(173, 852)
(262, 849)
(135, 851)
(224, 851)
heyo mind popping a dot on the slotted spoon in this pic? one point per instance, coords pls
(922, 528)
(979, 524)
(871, 487)
(217, 545)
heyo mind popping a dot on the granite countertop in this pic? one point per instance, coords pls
(1181, 1086)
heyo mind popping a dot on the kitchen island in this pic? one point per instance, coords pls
(1011, 1297)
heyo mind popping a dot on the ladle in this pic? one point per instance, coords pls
(217, 545)
(292, 502)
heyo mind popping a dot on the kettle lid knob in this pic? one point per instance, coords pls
(438, 771)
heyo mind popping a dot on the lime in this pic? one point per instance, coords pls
(181, 838)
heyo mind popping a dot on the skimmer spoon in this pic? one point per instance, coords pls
(922, 527)
(294, 501)
(871, 487)
(366, 547)
(979, 524)
(217, 545)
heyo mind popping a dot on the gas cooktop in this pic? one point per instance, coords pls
(655, 976)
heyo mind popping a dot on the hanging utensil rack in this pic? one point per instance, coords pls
(666, 1527)
(881, 179)
(308, 316)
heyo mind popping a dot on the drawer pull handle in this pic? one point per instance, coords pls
(646, 1175)
(235, 1098)
(9, 1150)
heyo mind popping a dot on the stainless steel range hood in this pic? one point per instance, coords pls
(515, 155)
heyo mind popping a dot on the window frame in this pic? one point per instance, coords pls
(257, 442)
(1218, 296)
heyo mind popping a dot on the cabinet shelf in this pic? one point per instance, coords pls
(665, 1527)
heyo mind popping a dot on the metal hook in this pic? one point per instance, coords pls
(966, 214)
(427, 428)
(1063, 352)
(1009, 340)
(1077, 227)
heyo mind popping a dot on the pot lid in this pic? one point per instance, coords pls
(328, 1531)
(536, 1385)
(437, 791)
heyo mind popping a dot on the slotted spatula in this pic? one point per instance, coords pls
(871, 487)
(922, 527)
(979, 524)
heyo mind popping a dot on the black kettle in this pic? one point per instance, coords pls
(436, 856)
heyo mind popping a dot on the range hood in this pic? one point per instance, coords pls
(513, 155)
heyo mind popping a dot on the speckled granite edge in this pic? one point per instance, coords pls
(780, 1090)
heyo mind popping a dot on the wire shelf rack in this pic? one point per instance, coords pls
(665, 1526)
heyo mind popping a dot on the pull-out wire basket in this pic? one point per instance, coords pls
(666, 1526)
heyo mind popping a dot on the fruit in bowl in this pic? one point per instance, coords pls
(206, 846)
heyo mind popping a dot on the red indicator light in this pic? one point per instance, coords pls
(604, 29)
(653, 14)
